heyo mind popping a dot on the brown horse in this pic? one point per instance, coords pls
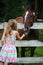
(33, 33)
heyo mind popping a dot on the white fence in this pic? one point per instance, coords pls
(29, 43)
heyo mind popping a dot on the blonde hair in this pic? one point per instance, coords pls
(12, 25)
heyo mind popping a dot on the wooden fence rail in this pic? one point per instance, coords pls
(36, 25)
(27, 60)
(29, 43)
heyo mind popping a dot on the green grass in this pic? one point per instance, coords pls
(0, 37)
(38, 51)
(41, 34)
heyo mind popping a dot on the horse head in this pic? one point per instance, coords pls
(27, 20)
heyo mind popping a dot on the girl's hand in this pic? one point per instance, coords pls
(26, 33)
(23, 35)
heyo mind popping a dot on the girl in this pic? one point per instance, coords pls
(8, 52)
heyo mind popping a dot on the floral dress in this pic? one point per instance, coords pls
(8, 52)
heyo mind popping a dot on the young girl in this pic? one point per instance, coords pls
(8, 52)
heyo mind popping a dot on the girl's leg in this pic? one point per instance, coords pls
(1, 63)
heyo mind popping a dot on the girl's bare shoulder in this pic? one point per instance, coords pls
(15, 32)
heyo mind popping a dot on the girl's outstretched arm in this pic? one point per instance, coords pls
(18, 36)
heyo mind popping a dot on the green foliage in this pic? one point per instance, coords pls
(13, 8)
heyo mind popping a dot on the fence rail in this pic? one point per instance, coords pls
(29, 43)
(30, 60)
(27, 60)
(36, 25)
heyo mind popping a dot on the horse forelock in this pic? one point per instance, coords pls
(26, 13)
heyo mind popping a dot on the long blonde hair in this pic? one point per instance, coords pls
(12, 25)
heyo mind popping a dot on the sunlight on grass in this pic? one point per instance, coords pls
(38, 51)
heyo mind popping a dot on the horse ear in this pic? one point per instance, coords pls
(19, 19)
